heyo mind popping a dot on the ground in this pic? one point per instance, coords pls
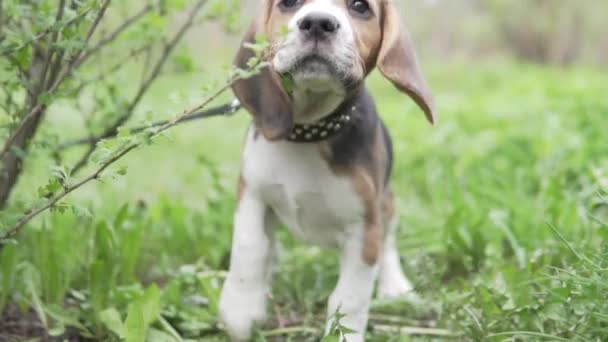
(502, 206)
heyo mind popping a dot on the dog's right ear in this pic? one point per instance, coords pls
(397, 61)
(262, 94)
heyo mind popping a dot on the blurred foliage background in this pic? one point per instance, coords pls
(539, 31)
(503, 205)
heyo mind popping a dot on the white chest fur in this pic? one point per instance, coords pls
(298, 185)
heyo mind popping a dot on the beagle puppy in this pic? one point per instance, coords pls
(318, 158)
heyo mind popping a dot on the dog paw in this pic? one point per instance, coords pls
(397, 287)
(240, 312)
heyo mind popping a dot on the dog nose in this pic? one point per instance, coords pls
(319, 25)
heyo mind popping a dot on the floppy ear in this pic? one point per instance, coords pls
(262, 95)
(397, 61)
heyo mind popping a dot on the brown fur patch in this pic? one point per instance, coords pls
(367, 181)
(388, 204)
(368, 35)
(262, 94)
(372, 235)
(397, 61)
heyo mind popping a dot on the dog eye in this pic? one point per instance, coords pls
(289, 4)
(360, 7)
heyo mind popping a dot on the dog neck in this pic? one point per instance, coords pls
(334, 114)
(316, 98)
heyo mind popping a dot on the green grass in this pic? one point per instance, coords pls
(503, 205)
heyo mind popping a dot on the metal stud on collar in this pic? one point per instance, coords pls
(321, 130)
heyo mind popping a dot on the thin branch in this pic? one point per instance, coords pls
(22, 74)
(96, 22)
(112, 36)
(514, 334)
(225, 110)
(34, 112)
(415, 331)
(146, 67)
(8, 101)
(45, 32)
(146, 84)
(290, 331)
(97, 174)
(52, 50)
(114, 68)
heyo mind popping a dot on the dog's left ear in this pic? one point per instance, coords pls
(397, 61)
(262, 94)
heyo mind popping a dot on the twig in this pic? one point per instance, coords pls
(416, 331)
(528, 334)
(117, 66)
(95, 24)
(145, 85)
(578, 255)
(289, 331)
(146, 67)
(470, 312)
(169, 328)
(43, 33)
(226, 110)
(22, 74)
(399, 320)
(38, 108)
(112, 36)
(50, 53)
(33, 212)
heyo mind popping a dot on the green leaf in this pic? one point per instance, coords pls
(288, 83)
(31, 278)
(60, 207)
(135, 329)
(101, 155)
(123, 132)
(50, 188)
(122, 215)
(81, 212)
(160, 336)
(105, 242)
(57, 331)
(8, 264)
(65, 317)
(100, 284)
(142, 313)
(121, 171)
(151, 305)
(112, 320)
(284, 31)
(61, 172)
(330, 338)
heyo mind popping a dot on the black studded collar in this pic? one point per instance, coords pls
(323, 129)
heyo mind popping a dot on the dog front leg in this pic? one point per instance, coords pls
(352, 295)
(392, 282)
(243, 299)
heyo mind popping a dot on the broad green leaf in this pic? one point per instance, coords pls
(57, 331)
(8, 264)
(30, 278)
(135, 328)
(331, 338)
(160, 336)
(150, 304)
(112, 320)
(100, 284)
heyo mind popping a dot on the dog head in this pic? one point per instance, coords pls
(328, 46)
